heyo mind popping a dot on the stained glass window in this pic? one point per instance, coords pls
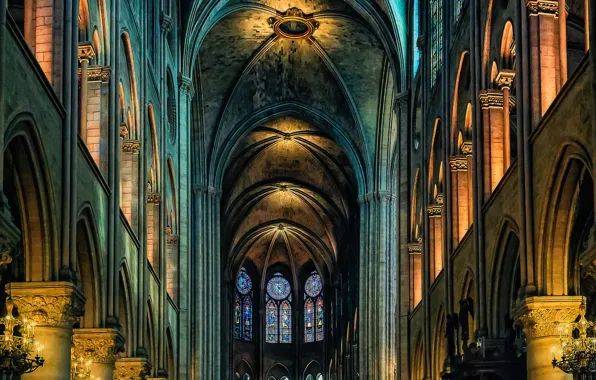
(314, 309)
(309, 377)
(243, 307)
(436, 38)
(319, 377)
(279, 310)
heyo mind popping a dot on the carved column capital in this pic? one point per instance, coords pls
(97, 345)
(86, 51)
(131, 146)
(56, 304)
(132, 369)
(123, 131)
(505, 78)
(434, 210)
(171, 239)
(153, 198)
(166, 22)
(186, 85)
(458, 163)
(545, 7)
(491, 99)
(99, 74)
(466, 148)
(542, 316)
(415, 248)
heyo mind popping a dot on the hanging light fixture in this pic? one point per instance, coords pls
(576, 353)
(17, 345)
(80, 368)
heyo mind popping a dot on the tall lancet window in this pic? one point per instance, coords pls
(313, 309)
(243, 307)
(436, 38)
(278, 323)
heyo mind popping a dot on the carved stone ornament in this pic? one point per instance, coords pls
(414, 248)
(466, 148)
(171, 239)
(99, 74)
(97, 345)
(166, 22)
(293, 24)
(548, 7)
(505, 78)
(491, 99)
(86, 51)
(186, 85)
(434, 210)
(439, 199)
(458, 163)
(132, 369)
(56, 304)
(123, 131)
(131, 146)
(153, 198)
(542, 316)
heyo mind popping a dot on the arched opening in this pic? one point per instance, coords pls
(435, 208)
(87, 273)
(126, 311)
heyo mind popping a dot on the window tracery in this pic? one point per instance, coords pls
(243, 307)
(278, 320)
(436, 38)
(313, 309)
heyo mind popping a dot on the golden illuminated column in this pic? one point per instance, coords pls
(172, 263)
(132, 369)
(541, 318)
(54, 307)
(129, 178)
(504, 80)
(435, 222)
(415, 252)
(100, 346)
(491, 102)
(86, 54)
(153, 235)
(460, 189)
(545, 54)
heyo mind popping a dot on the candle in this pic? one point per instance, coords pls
(553, 351)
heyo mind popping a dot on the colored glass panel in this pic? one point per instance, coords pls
(271, 322)
(237, 318)
(285, 331)
(319, 377)
(313, 285)
(243, 283)
(247, 318)
(309, 321)
(320, 318)
(278, 287)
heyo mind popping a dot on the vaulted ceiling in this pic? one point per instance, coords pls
(288, 197)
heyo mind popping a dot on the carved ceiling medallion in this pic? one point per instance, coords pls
(293, 24)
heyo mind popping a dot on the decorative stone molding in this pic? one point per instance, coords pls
(198, 190)
(186, 85)
(132, 369)
(434, 210)
(97, 345)
(505, 78)
(171, 239)
(414, 248)
(293, 24)
(86, 51)
(491, 99)
(99, 74)
(56, 304)
(123, 131)
(466, 148)
(165, 22)
(131, 146)
(439, 199)
(458, 163)
(153, 198)
(542, 316)
(547, 7)
(376, 196)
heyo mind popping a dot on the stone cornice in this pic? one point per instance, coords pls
(131, 146)
(546, 7)
(97, 345)
(375, 196)
(434, 210)
(99, 74)
(542, 316)
(56, 304)
(86, 51)
(132, 369)
(415, 248)
(491, 99)
(153, 198)
(458, 163)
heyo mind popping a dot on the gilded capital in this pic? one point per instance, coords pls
(99, 74)
(123, 131)
(491, 99)
(434, 210)
(97, 345)
(414, 248)
(132, 369)
(86, 51)
(546, 7)
(56, 304)
(131, 146)
(458, 163)
(542, 316)
(466, 148)
(153, 198)
(505, 78)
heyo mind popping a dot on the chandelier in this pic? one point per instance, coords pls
(17, 344)
(577, 347)
(80, 369)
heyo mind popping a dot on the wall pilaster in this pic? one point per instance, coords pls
(100, 346)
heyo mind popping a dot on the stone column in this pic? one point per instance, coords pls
(377, 323)
(54, 307)
(132, 369)
(541, 317)
(504, 80)
(491, 102)
(100, 346)
(86, 53)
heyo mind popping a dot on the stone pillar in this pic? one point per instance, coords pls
(435, 235)
(100, 346)
(98, 79)
(460, 189)
(541, 318)
(54, 307)
(377, 323)
(491, 102)
(504, 80)
(129, 177)
(132, 369)
(86, 53)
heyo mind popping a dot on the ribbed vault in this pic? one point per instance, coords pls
(288, 198)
